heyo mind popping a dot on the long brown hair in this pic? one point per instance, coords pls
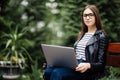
(98, 24)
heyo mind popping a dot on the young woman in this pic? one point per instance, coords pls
(90, 50)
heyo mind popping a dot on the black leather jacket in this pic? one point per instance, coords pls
(95, 51)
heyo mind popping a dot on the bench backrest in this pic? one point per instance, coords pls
(113, 56)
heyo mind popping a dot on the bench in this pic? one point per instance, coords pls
(113, 55)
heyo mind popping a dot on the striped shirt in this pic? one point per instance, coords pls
(80, 48)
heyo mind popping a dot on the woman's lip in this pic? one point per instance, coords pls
(87, 21)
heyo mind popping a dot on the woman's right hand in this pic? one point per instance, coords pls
(82, 67)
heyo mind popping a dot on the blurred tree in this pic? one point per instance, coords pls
(56, 21)
(70, 16)
(26, 13)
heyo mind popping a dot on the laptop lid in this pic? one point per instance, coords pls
(59, 56)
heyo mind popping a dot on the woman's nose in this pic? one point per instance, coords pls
(87, 17)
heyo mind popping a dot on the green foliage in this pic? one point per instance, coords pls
(36, 74)
(70, 13)
(55, 21)
(15, 44)
(114, 74)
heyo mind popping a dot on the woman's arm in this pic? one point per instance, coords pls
(103, 44)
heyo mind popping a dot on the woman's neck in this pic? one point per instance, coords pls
(92, 29)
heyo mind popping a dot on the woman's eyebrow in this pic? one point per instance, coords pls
(87, 13)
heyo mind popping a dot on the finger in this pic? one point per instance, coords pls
(77, 69)
(81, 68)
(82, 71)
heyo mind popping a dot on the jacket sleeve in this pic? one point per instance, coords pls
(103, 45)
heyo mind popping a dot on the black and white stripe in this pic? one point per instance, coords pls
(80, 48)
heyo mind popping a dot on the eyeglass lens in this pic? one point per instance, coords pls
(90, 15)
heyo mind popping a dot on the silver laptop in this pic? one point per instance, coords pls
(59, 56)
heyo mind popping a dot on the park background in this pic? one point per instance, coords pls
(55, 22)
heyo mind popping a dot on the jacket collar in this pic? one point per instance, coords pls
(98, 32)
(94, 38)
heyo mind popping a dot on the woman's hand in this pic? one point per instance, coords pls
(82, 67)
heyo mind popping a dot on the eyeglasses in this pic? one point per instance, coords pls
(90, 15)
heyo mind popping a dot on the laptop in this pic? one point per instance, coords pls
(59, 56)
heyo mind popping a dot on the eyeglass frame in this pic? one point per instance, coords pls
(90, 15)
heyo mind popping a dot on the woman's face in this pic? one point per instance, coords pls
(88, 17)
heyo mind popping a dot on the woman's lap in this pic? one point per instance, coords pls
(62, 73)
(60, 70)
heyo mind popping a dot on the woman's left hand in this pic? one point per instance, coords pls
(82, 67)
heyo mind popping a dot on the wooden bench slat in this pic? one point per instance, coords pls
(114, 48)
(113, 61)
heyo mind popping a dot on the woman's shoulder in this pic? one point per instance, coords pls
(101, 34)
